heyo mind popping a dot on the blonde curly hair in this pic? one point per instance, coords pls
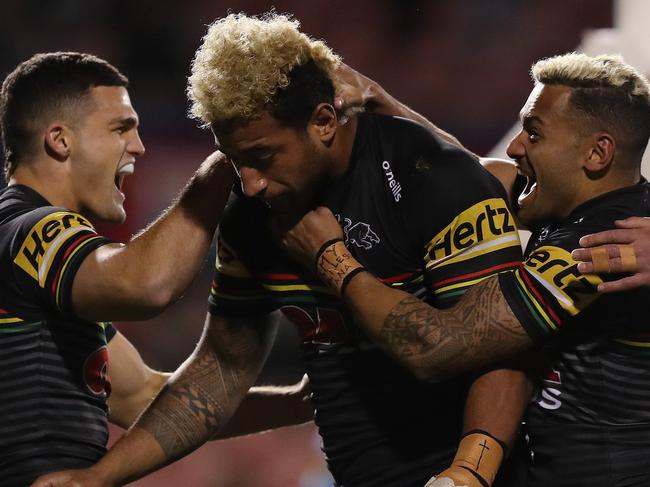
(607, 94)
(243, 62)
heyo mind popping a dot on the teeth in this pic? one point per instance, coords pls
(527, 191)
(126, 169)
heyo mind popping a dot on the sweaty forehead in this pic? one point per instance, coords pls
(259, 132)
(112, 102)
(547, 102)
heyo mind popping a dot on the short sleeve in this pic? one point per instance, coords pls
(459, 212)
(47, 250)
(547, 291)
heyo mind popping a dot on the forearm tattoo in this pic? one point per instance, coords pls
(195, 405)
(479, 330)
(334, 264)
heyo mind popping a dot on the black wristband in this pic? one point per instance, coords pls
(481, 480)
(323, 247)
(486, 433)
(348, 278)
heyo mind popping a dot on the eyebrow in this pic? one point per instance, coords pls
(530, 119)
(127, 122)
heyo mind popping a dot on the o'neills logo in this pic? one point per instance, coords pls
(393, 184)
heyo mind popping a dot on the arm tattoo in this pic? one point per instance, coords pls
(481, 329)
(334, 264)
(193, 406)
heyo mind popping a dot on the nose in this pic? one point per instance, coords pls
(252, 181)
(136, 147)
(516, 149)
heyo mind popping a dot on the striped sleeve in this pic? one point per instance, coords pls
(547, 290)
(236, 289)
(479, 242)
(48, 252)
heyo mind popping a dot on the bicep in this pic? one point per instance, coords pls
(100, 288)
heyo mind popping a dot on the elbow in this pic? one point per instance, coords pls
(148, 296)
(432, 373)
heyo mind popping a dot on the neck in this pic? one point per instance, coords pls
(342, 147)
(605, 184)
(47, 179)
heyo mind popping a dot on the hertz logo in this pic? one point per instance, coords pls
(555, 269)
(44, 239)
(488, 222)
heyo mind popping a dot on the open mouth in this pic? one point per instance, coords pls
(122, 173)
(531, 183)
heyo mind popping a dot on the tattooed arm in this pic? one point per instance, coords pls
(192, 407)
(435, 344)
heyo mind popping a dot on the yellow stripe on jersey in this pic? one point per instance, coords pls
(65, 266)
(555, 270)
(633, 343)
(483, 228)
(298, 287)
(4, 321)
(532, 299)
(44, 239)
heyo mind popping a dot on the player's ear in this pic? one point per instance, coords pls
(58, 140)
(600, 153)
(323, 121)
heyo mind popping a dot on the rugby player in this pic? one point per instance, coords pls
(585, 127)
(70, 137)
(266, 91)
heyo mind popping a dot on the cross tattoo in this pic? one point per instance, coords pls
(484, 447)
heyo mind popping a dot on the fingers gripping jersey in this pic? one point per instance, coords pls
(590, 421)
(424, 217)
(53, 366)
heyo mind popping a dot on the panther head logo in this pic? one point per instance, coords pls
(359, 234)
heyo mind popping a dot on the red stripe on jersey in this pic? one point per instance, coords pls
(74, 245)
(399, 277)
(482, 272)
(539, 297)
(283, 277)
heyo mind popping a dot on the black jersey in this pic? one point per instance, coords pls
(589, 424)
(53, 376)
(424, 217)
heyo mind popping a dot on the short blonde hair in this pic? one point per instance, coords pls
(607, 94)
(243, 62)
(579, 70)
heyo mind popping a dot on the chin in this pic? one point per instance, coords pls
(115, 216)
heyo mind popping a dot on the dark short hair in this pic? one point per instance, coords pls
(46, 84)
(308, 86)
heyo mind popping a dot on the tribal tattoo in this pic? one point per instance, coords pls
(481, 329)
(198, 402)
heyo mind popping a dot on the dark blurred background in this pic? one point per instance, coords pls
(463, 63)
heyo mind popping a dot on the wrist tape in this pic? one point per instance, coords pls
(481, 454)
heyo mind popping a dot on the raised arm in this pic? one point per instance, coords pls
(139, 279)
(356, 92)
(192, 407)
(434, 343)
